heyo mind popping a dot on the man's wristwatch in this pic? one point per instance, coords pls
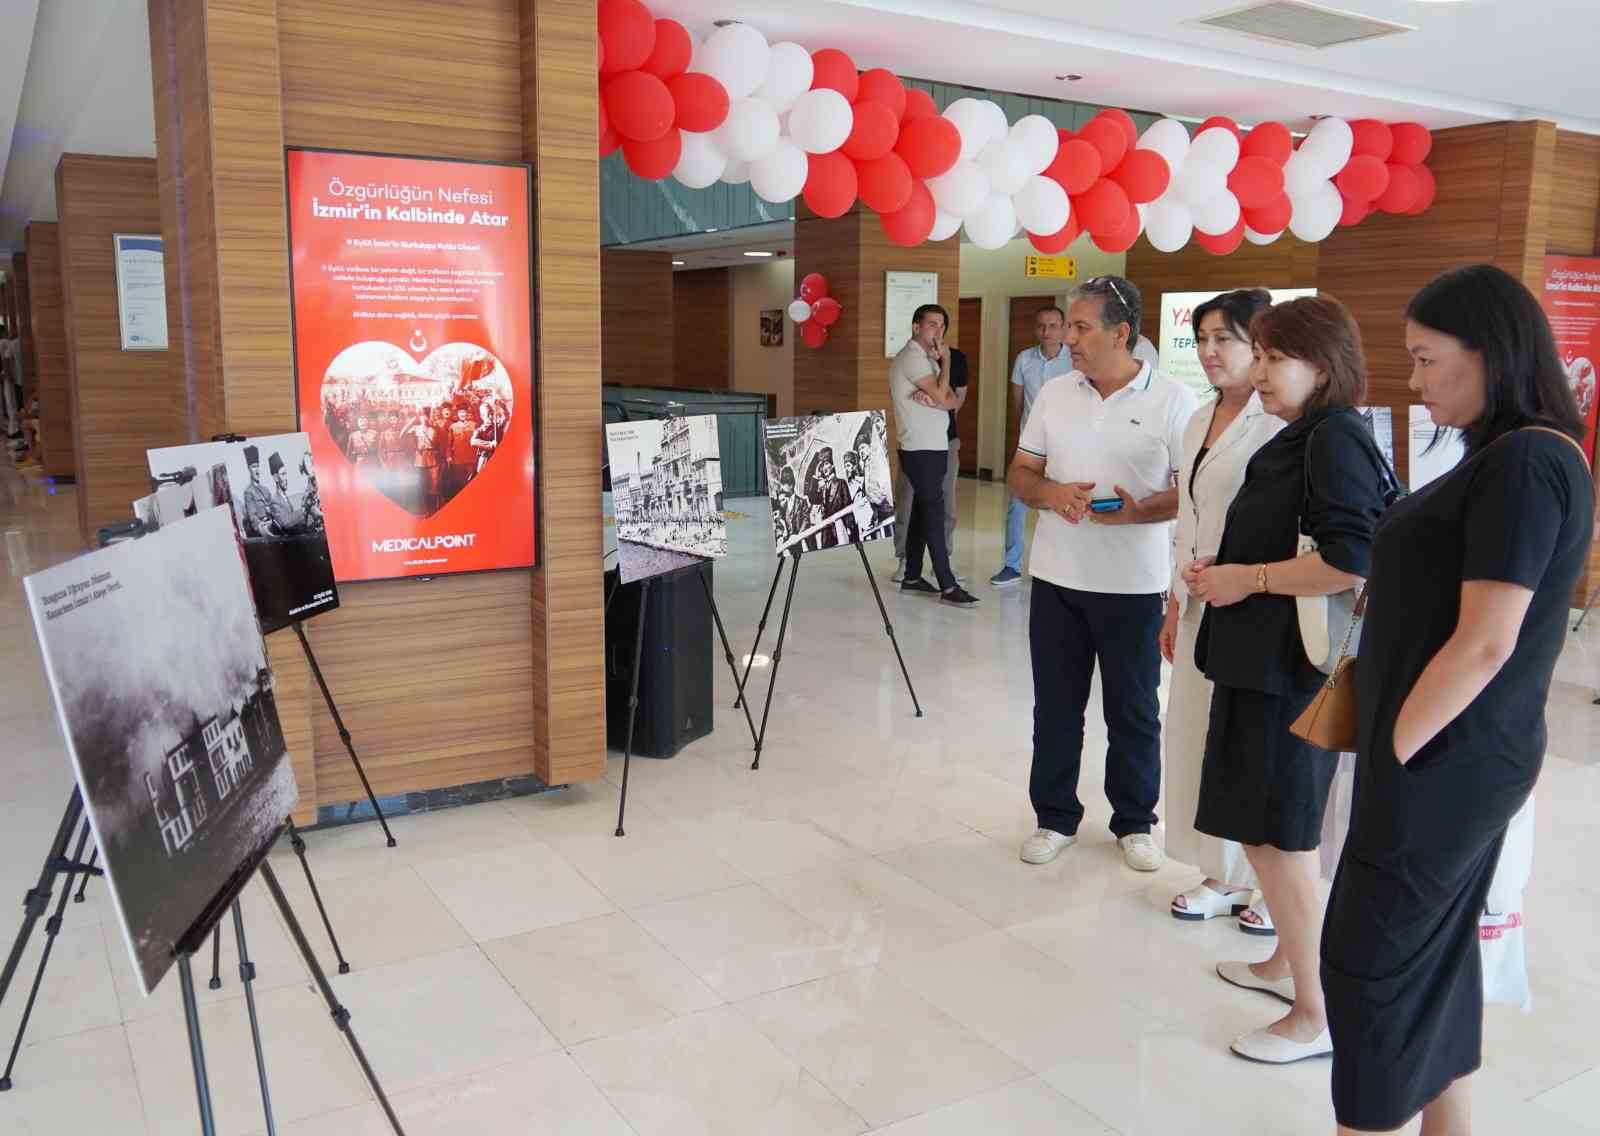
(1261, 579)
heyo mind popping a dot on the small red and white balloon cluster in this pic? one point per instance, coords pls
(814, 311)
(797, 123)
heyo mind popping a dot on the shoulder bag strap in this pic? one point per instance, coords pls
(1567, 438)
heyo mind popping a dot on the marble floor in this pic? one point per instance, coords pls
(842, 942)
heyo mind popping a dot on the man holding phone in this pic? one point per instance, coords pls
(1097, 458)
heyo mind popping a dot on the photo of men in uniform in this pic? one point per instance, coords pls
(270, 485)
(666, 492)
(828, 480)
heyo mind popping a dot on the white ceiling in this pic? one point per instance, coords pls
(726, 248)
(88, 89)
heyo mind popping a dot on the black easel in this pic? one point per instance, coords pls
(783, 627)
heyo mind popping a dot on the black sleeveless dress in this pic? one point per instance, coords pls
(1400, 957)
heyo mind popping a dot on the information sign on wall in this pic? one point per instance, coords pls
(1572, 301)
(141, 291)
(1055, 267)
(413, 354)
(1179, 361)
(903, 294)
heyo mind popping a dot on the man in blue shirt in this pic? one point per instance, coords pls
(1033, 369)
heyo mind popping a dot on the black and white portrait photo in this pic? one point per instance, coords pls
(161, 683)
(666, 492)
(829, 481)
(270, 485)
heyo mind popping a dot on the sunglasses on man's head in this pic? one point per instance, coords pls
(1110, 282)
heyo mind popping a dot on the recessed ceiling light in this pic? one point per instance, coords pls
(710, 230)
(758, 254)
(677, 264)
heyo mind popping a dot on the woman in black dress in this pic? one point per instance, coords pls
(1471, 582)
(1259, 784)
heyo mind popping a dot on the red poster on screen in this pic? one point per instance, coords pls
(413, 324)
(1572, 301)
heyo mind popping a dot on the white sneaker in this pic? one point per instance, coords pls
(899, 572)
(1045, 845)
(1140, 853)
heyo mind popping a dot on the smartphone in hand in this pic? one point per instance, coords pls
(1105, 504)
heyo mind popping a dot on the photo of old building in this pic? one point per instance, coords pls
(666, 492)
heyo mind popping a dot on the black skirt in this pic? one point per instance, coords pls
(1260, 784)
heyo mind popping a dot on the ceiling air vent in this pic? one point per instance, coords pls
(1299, 24)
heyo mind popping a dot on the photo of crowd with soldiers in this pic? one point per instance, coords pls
(666, 493)
(828, 480)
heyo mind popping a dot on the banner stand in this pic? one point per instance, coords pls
(783, 627)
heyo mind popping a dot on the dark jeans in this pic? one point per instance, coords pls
(1068, 631)
(925, 469)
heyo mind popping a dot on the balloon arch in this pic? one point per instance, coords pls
(799, 123)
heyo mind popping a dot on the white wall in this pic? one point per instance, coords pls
(752, 366)
(995, 276)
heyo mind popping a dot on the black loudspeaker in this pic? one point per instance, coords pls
(674, 667)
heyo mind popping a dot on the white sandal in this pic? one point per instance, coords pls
(1265, 927)
(1203, 902)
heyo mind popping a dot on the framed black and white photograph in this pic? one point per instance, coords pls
(829, 481)
(666, 493)
(270, 487)
(160, 679)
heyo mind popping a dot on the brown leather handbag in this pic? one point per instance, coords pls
(1332, 720)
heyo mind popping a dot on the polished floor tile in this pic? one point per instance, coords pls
(494, 894)
(1022, 1108)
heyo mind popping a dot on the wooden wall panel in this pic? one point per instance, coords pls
(1575, 195)
(560, 108)
(1286, 263)
(638, 324)
(51, 375)
(1525, 188)
(700, 329)
(19, 277)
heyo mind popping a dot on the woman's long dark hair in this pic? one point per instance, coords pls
(1493, 313)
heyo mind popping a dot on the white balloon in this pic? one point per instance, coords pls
(781, 175)
(1301, 175)
(1316, 214)
(1215, 147)
(1038, 138)
(736, 173)
(700, 164)
(820, 120)
(1006, 164)
(749, 133)
(944, 226)
(1328, 146)
(1170, 139)
(994, 224)
(1042, 206)
(1256, 238)
(799, 311)
(1218, 215)
(996, 118)
(1168, 224)
(972, 123)
(1199, 182)
(789, 75)
(737, 57)
(962, 191)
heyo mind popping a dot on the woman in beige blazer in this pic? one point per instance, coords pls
(1221, 439)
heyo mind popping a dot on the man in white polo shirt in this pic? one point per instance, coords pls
(1097, 459)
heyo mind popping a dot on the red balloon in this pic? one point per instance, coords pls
(627, 35)
(701, 102)
(813, 334)
(1107, 137)
(826, 311)
(599, 53)
(1223, 121)
(672, 51)
(1256, 181)
(1077, 165)
(1430, 189)
(1270, 140)
(1273, 217)
(832, 68)
(876, 130)
(919, 104)
(813, 287)
(830, 184)
(609, 141)
(1355, 212)
(1372, 139)
(1224, 244)
(605, 119)
(1364, 178)
(1104, 208)
(639, 105)
(1143, 175)
(1125, 123)
(911, 225)
(1122, 239)
(1412, 144)
(655, 159)
(884, 184)
(929, 145)
(1052, 243)
(881, 85)
(1405, 189)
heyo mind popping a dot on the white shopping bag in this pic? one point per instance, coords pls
(1502, 932)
